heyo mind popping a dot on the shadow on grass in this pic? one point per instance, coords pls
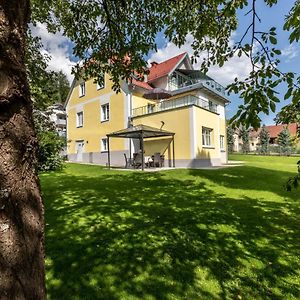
(250, 178)
(140, 236)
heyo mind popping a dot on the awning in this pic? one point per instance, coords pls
(138, 131)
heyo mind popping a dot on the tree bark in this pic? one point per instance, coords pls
(21, 206)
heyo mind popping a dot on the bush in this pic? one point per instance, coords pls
(50, 146)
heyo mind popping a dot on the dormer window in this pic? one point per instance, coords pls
(82, 89)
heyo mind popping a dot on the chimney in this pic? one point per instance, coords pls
(154, 63)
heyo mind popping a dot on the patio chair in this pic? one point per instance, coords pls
(128, 161)
(137, 160)
(157, 160)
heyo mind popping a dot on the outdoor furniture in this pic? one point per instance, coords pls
(158, 160)
(137, 160)
(148, 161)
(128, 161)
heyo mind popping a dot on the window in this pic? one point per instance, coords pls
(207, 137)
(105, 112)
(104, 145)
(222, 140)
(79, 119)
(101, 84)
(82, 89)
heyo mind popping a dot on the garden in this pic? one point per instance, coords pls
(228, 233)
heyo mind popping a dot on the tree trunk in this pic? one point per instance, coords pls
(21, 206)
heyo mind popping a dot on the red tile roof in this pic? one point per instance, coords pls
(164, 68)
(274, 130)
(142, 84)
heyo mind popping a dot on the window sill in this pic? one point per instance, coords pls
(79, 126)
(208, 147)
(104, 121)
(106, 151)
(81, 96)
(100, 88)
(223, 150)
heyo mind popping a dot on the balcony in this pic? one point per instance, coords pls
(62, 122)
(176, 103)
(184, 78)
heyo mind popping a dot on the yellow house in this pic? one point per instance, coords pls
(194, 113)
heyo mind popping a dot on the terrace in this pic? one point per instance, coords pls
(175, 103)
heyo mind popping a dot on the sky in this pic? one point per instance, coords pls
(60, 49)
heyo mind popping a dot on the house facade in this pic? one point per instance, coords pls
(194, 112)
(274, 130)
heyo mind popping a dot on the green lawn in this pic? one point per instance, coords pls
(182, 234)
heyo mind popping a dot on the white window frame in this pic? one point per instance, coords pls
(99, 87)
(82, 89)
(105, 112)
(207, 137)
(104, 145)
(222, 142)
(79, 120)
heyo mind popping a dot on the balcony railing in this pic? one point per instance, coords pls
(62, 122)
(171, 104)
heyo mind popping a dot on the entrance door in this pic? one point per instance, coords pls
(79, 150)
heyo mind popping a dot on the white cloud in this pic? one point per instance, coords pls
(235, 67)
(290, 52)
(58, 47)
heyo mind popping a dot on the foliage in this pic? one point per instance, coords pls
(50, 143)
(181, 234)
(284, 140)
(293, 182)
(289, 114)
(124, 32)
(46, 87)
(244, 135)
(230, 138)
(264, 138)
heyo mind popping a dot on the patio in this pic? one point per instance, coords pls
(142, 132)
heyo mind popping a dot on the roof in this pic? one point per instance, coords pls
(142, 84)
(274, 130)
(165, 67)
(139, 131)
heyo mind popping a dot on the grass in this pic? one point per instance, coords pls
(182, 234)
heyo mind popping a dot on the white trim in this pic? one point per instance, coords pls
(183, 58)
(193, 135)
(81, 89)
(98, 98)
(102, 148)
(105, 112)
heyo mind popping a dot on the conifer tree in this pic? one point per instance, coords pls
(244, 134)
(264, 138)
(285, 141)
(230, 138)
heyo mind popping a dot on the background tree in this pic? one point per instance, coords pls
(244, 135)
(284, 141)
(264, 138)
(115, 36)
(230, 138)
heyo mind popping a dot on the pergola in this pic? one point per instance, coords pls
(140, 132)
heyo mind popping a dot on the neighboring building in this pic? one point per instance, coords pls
(273, 130)
(57, 115)
(195, 113)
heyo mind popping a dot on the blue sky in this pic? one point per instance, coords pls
(61, 51)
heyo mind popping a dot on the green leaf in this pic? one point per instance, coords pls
(273, 40)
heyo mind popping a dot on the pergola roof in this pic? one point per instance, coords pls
(139, 131)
